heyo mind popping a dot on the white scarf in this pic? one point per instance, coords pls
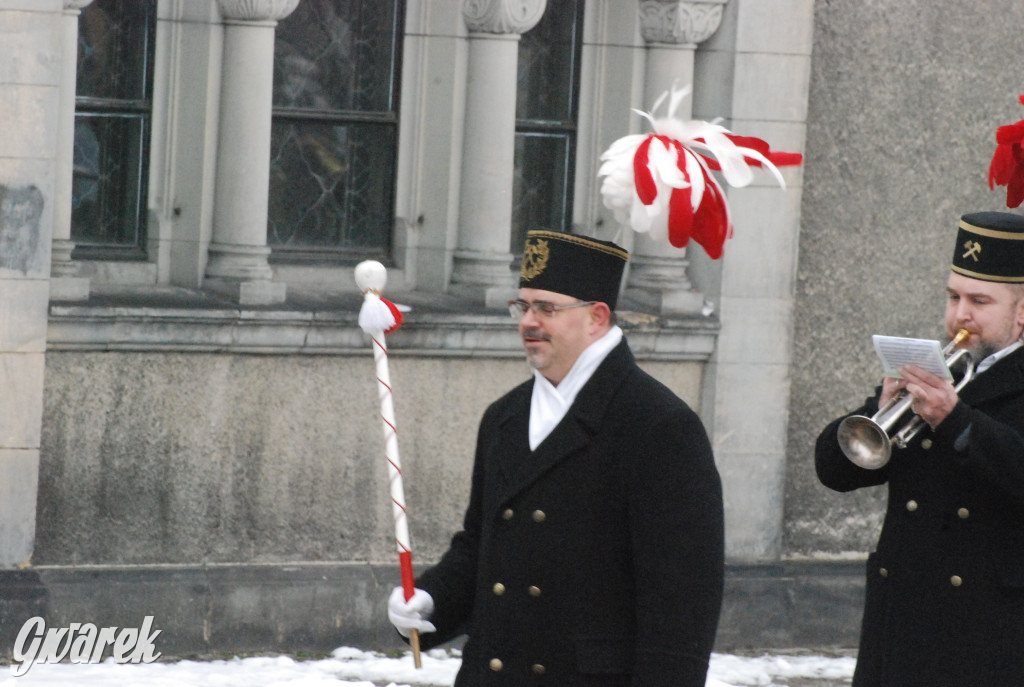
(550, 403)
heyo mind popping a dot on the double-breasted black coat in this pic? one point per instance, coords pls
(596, 559)
(945, 587)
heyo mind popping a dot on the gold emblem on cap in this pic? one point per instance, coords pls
(973, 250)
(535, 258)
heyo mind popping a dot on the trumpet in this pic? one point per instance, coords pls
(866, 440)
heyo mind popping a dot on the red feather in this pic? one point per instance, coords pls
(680, 217)
(397, 314)
(776, 157)
(781, 159)
(1007, 165)
(1011, 133)
(646, 189)
(712, 227)
(1015, 186)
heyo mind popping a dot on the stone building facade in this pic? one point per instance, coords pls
(190, 431)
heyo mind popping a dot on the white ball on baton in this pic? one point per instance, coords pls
(371, 276)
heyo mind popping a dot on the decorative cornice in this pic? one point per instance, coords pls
(671, 21)
(502, 16)
(256, 10)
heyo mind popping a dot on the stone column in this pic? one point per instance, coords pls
(30, 84)
(482, 262)
(672, 30)
(65, 284)
(238, 252)
(765, 49)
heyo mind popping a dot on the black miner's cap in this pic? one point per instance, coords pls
(990, 247)
(579, 266)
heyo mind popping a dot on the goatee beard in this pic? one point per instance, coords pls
(982, 350)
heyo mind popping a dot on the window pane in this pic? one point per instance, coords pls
(547, 65)
(107, 179)
(112, 124)
(331, 186)
(335, 130)
(113, 49)
(336, 55)
(546, 97)
(541, 188)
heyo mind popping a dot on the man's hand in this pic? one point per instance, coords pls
(890, 387)
(412, 614)
(934, 397)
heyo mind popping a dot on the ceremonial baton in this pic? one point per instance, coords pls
(378, 317)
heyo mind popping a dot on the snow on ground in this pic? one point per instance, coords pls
(348, 667)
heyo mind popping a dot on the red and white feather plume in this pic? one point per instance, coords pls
(1007, 166)
(662, 183)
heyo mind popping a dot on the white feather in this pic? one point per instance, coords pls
(694, 169)
(374, 315)
(662, 163)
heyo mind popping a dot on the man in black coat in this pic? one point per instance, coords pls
(592, 548)
(945, 586)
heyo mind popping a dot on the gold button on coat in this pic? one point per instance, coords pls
(956, 580)
(498, 588)
(537, 668)
(496, 664)
(508, 513)
(926, 444)
(963, 513)
(534, 591)
(883, 572)
(539, 516)
(911, 505)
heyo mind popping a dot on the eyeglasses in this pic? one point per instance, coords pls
(518, 308)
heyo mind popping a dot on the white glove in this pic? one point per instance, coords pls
(412, 614)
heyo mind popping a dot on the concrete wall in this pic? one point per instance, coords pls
(29, 94)
(196, 459)
(904, 101)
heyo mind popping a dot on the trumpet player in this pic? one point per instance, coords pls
(945, 586)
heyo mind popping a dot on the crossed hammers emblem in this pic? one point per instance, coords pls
(973, 250)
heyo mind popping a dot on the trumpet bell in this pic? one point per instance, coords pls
(864, 442)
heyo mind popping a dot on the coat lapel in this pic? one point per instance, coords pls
(513, 437)
(574, 432)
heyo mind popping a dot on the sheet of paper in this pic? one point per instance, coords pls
(896, 351)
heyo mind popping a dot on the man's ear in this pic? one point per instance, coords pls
(600, 315)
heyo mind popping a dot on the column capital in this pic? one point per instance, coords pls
(502, 16)
(256, 10)
(680, 23)
(75, 5)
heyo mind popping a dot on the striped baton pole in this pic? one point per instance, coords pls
(378, 317)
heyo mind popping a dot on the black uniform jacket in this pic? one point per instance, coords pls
(945, 587)
(596, 559)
